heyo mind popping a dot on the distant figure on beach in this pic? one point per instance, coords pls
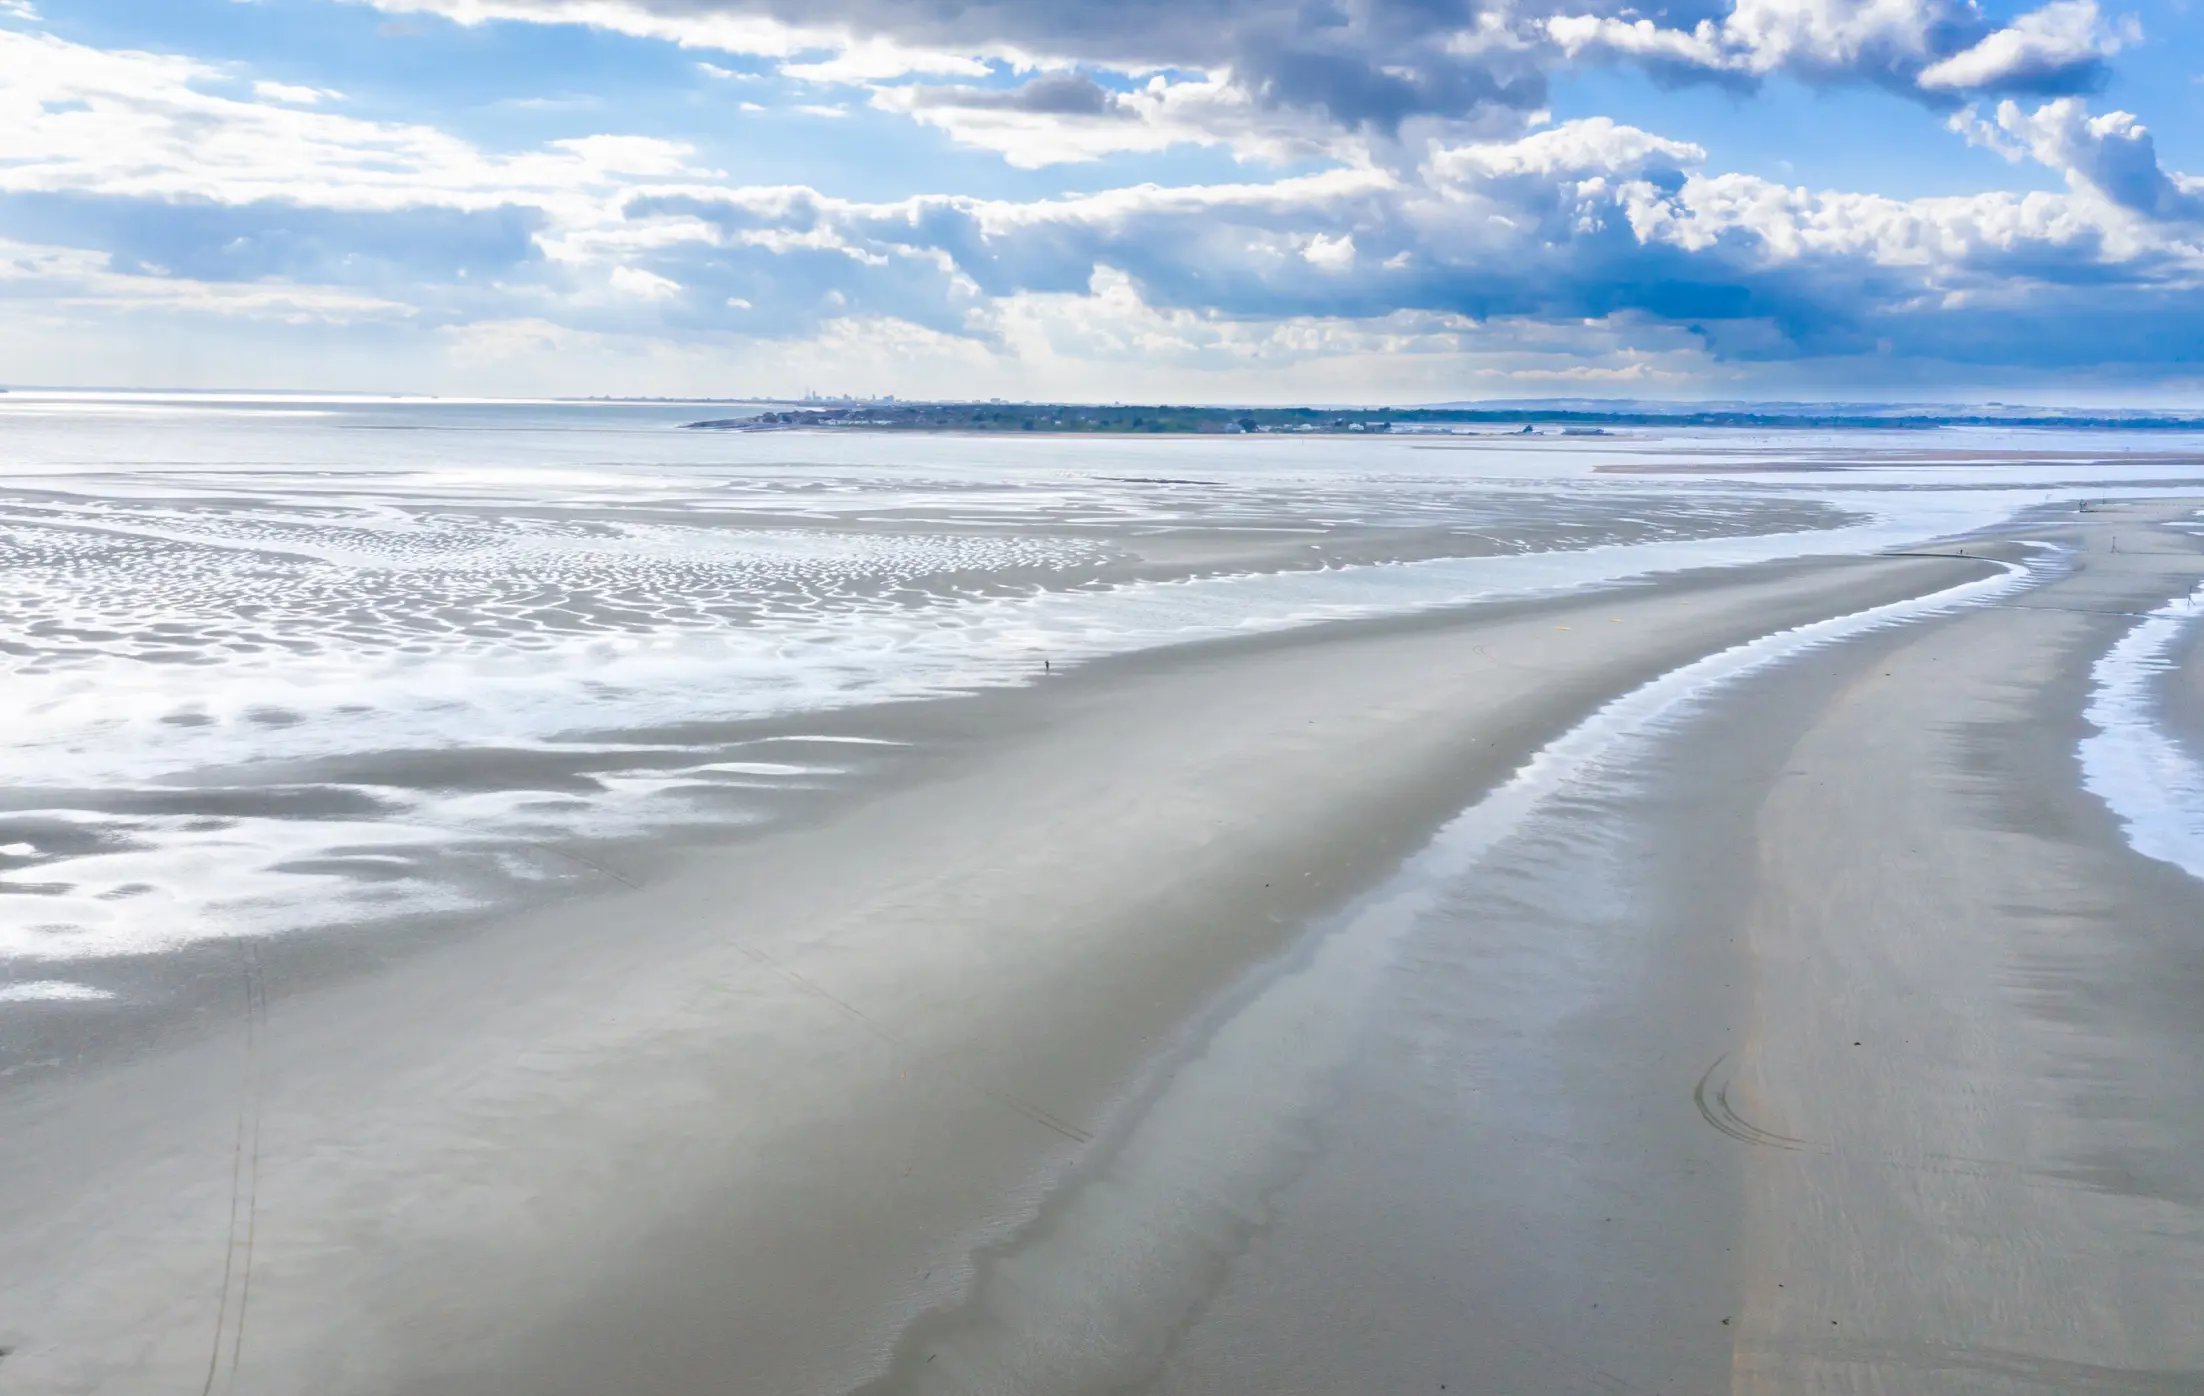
(1046, 667)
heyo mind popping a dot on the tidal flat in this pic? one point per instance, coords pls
(529, 899)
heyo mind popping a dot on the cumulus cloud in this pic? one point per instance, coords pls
(1053, 81)
(1933, 47)
(1594, 145)
(1584, 221)
(1588, 237)
(1330, 252)
(1370, 65)
(2110, 157)
(2051, 49)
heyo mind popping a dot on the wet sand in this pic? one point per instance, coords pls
(1973, 1062)
(1846, 1048)
(298, 698)
(885, 1096)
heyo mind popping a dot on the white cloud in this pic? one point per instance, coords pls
(1375, 66)
(120, 122)
(1162, 113)
(1903, 40)
(1939, 238)
(600, 156)
(1553, 225)
(1420, 255)
(1374, 83)
(1053, 346)
(2110, 157)
(74, 278)
(825, 52)
(292, 93)
(2049, 40)
(729, 33)
(1596, 145)
(876, 60)
(1700, 47)
(1764, 35)
(649, 286)
(491, 341)
(1330, 253)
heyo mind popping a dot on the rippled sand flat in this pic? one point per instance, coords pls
(265, 699)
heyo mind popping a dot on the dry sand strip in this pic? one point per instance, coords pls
(738, 1128)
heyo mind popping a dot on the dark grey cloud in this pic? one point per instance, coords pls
(1362, 63)
(1051, 94)
(1374, 64)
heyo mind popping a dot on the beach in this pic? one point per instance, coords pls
(1088, 698)
(1722, 979)
(1865, 1061)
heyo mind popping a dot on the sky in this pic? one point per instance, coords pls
(1257, 201)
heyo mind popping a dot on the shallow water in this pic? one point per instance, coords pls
(277, 664)
(2151, 780)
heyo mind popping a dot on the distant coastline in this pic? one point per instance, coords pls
(1165, 420)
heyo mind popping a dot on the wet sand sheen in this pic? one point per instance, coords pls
(219, 702)
(1844, 1047)
(741, 1126)
(1975, 1039)
(1594, 1122)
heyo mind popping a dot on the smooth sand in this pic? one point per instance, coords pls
(1849, 1049)
(1976, 1031)
(745, 1127)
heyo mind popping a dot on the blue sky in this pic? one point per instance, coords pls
(1225, 200)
